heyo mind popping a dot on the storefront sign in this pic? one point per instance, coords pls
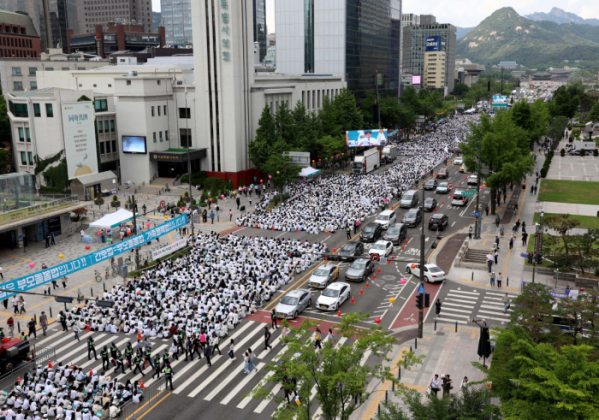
(177, 157)
(181, 243)
(46, 276)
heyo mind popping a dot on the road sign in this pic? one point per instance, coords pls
(374, 257)
(467, 193)
(421, 290)
(162, 204)
(450, 187)
(476, 214)
(523, 255)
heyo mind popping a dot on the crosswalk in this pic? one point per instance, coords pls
(462, 306)
(224, 382)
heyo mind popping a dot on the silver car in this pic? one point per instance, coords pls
(293, 303)
(409, 199)
(323, 276)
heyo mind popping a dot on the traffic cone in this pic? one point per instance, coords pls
(361, 290)
(391, 207)
(374, 277)
(379, 270)
(50, 364)
(325, 258)
(388, 261)
(393, 256)
(139, 335)
(273, 228)
(90, 372)
(367, 285)
(19, 379)
(141, 385)
(339, 313)
(442, 202)
(402, 247)
(327, 232)
(406, 241)
(88, 328)
(295, 230)
(334, 250)
(256, 227)
(352, 300)
(71, 365)
(435, 209)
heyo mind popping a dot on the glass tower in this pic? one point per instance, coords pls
(176, 15)
(308, 36)
(259, 9)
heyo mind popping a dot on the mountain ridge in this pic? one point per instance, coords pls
(560, 16)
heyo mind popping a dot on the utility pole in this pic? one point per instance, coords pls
(135, 232)
(188, 154)
(421, 309)
(378, 103)
(477, 222)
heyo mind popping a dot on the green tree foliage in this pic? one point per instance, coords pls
(461, 89)
(532, 311)
(58, 175)
(42, 164)
(5, 133)
(556, 127)
(5, 159)
(564, 102)
(594, 113)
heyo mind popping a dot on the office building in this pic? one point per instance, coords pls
(116, 37)
(259, 12)
(434, 70)
(467, 72)
(348, 38)
(57, 12)
(37, 10)
(427, 20)
(410, 19)
(420, 39)
(176, 19)
(102, 12)
(18, 37)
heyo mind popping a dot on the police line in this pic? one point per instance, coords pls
(50, 274)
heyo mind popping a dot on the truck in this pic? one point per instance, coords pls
(12, 353)
(390, 153)
(366, 162)
(575, 147)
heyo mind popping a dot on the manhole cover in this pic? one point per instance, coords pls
(388, 277)
(440, 333)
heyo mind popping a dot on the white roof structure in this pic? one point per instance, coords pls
(308, 171)
(113, 219)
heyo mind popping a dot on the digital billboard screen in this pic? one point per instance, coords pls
(432, 43)
(134, 144)
(364, 138)
(416, 80)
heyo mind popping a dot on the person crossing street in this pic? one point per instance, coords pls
(138, 364)
(105, 359)
(91, 347)
(168, 373)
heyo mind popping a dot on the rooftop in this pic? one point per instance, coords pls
(43, 93)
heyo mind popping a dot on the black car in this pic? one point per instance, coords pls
(396, 233)
(442, 173)
(351, 250)
(359, 270)
(412, 218)
(430, 204)
(438, 222)
(371, 232)
(431, 184)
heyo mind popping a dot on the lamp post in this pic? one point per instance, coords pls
(188, 141)
(422, 238)
(480, 213)
(537, 247)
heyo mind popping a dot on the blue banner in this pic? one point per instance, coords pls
(432, 43)
(46, 276)
(558, 293)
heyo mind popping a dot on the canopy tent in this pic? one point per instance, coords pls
(308, 171)
(113, 219)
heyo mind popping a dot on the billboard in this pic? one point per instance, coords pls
(80, 139)
(432, 43)
(364, 138)
(134, 144)
(416, 80)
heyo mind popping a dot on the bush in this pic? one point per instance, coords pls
(197, 178)
(562, 152)
(595, 152)
(544, 172)
(583, 153)
(597, 271)
(212, 182)
(203, 204)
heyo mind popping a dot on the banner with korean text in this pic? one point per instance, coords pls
(34, 280)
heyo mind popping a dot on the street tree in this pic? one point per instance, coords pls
(594, 113)
(532, 311)
(556, 127)
(334, 375)
(561, 244)
(461, 89)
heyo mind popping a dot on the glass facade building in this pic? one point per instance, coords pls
(57, 11)
(373, 41)
(176, 15)
(260, 30)
(308, 36)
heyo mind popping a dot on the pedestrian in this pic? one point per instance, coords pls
(22, 309)
(348, 231)
(497, 241)
(250, 199)
(524, 237)
(214, 343)
(63, 320)
(470, 232)
(251, 360)
(502, 230)
(434, 385)
(492, 279)
(273, 319)
(506, 303)
(447, 385)
(31, 327)
(496, 256)
(267, 336)
(246, 363)
(497, 220)
(212, 216)
(64, 282)
(15, 304)
(82, 235)
(76, 330)
(54, 284)
(317, 334)
(168, 374)
(52, 242)
(487, 210)
(490, 260)
(230, 215)
(48, 241)
(208, 352)
(91, 347)
(105, 360)
(11, 326)
(44, 322)
(516, 208)
(438, 305)
(138, 360)
(512, 242)
(499, 280)
(464, 384)
(238, 201)
(232, 350)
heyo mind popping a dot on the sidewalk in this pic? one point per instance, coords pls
(445, 351)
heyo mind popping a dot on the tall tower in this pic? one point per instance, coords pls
(223, 41)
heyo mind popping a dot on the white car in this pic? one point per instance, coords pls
(333, 296)
(473, 180)
(381, 248)
(432, 273)
(458, 161)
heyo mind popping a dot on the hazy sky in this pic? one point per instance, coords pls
(467, 13)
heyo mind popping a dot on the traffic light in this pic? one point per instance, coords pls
(427, 300)
(539, 259)
(419, 301)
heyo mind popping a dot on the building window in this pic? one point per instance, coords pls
(152, 111)
(100, 127)
(49, 69)
(101, 105)
(160, 135)
(106, 126)
(185, 134)
(184, 113)
(158, 82)
(28, 135)
(112, 126)
(128, 82)
(49, 111)
(154, 134)
(30, 155)
(21, 134)
(308, 36)
(158, 110)
(114, 146)
(164, 110)
(166, 135)
(65, 69)
(23, 158)
(101, 148)
(107, 147)
(18, 85)
(16, 71)
(33, 85)
(36, 110)
(18, 110)
(32, 71)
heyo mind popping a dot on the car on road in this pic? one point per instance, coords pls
(458, 199)
(382, 249)
(293, 303)
(359, 270)
(351, 251)
(386, 218)
(333, 296)
(430, 204)
(396, 233)
(439, 221)
(323, 276)
(442, 173)
(412, 218)
(371, 232)
(431, 184)
(432, 273)
(458, 161)
(463, 168)
(472, 180)
(409, 199)
(442, 188)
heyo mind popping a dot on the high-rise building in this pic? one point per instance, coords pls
(259, 10)
(420, 39)
(434, 70)
(359, 40)
(38, 12)
(427, 20)
(102, 12)
(410, 19)
(176, 19)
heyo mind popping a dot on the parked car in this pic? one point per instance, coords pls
(386, 218)
(382, 249)
(432, 273)
(442, 173)
(430, 204)
(371, 232)
(396, 233)
(351, 251)
(323, 276)
(359, 270)
(442, 188)
(431, 184)
(333, 296)
(293, 303)
(412, 218)
(473, 180)
(438, 222)
(409, 199)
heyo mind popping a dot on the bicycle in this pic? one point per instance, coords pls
(115, 271)
(98, 276)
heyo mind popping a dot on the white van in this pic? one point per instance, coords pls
(386, 218)
(458, 199)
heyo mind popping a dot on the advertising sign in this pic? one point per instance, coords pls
(559, 293)
(181, 243)
(52, 274)
(416, 80)
(365, 138)
(80, 139)
(432, 43)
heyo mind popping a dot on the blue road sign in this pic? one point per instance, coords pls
(421, 290)
(523, 255)
(476, 214)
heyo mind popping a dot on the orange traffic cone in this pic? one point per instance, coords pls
(256, 227)
(71, 365)
(406, 241)
(18, 379)
(393, 256)
(334, 250)
(391, 207)
(141, 385)
(295, 230)
(325, 258)
(435, 209)
(50, 364)
(374, 277)
(139, 335)
(327, 232)
(90, 372)
(442, 202)
(88, 328)
(273, 228)
(352, 300)
(362, 290)
(367, 285)
(388, 261)
(339, 313)
(379, 270)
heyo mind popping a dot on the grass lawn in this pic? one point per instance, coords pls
(575, 192)
(589, 222)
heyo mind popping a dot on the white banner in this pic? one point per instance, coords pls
(181, 243)
(80, 139)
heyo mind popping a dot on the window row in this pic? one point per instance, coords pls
(19, 85)
(160, 137)
(21, 110)
(157, 108)
(24, 156)
(103, 127)
(108, 147)
(7, 52)
(15, 42)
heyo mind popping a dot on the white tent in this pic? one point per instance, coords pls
(308, 171)
(113, 219)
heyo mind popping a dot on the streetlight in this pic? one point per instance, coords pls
(421, 310)
(537, 247)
